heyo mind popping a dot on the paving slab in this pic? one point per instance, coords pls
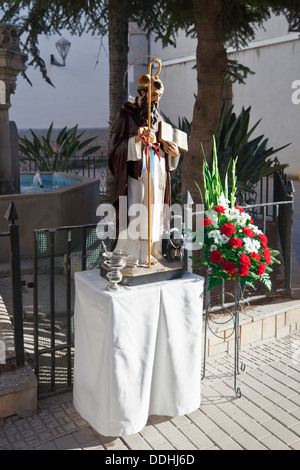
(266, 417)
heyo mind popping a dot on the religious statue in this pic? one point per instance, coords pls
(142, 168)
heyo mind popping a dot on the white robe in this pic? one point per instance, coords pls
(134, 240)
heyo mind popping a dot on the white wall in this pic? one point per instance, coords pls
(81, 93)
(181, 77)
(275, 61)
(274, 57)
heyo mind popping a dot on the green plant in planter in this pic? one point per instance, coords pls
(233, 140)
(50, 158)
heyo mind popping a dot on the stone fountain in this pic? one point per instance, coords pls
(12, 62)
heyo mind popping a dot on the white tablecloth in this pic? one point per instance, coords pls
(137, 351)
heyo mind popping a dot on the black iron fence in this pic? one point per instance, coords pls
(83, 166)
(59, 254)
(16, 286)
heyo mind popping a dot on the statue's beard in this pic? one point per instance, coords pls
(144, 112)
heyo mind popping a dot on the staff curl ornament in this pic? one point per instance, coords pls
(145, 78)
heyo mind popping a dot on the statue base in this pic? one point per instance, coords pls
(137, 275)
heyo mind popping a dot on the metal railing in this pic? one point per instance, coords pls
(16, 286)
(59, 254)
(84, 166)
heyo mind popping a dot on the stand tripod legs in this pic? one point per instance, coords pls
(236, 330)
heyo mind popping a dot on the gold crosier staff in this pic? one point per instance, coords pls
(145, 80)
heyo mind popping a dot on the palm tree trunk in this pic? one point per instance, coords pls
(211, 69)
(118, 52)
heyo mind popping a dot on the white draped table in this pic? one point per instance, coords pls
(137, 351)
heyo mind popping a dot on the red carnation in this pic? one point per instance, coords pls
(243, 270)
(229, 267)
(263, 238)
(255, 256)
(245, 260)
(248, 231)
(264, 245)
(261, 269)
(220, 209)
(235, 242)
(216, 257)
(206, 222)
(228, 229)
(267, 256)
(239, 208)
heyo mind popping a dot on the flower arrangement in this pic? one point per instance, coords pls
(234, 247)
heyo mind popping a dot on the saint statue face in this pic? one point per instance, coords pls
(155, 95)
(157, 90)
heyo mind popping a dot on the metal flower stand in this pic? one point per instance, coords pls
(234, 318)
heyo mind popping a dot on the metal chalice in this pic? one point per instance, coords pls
(115, 261)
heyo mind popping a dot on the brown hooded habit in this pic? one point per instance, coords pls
(126, 125)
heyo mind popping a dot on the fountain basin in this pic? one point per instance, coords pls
(41, 183)
(74, 204)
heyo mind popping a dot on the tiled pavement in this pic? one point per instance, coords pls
(266, 417)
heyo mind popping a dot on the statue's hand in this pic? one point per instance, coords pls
(148, 134)
(171, 149)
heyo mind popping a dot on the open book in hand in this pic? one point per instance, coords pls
(168, 134)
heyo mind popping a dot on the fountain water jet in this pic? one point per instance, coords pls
(37, 181)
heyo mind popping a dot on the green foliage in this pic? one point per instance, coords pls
(214, 187)
(163, 18)
(237, 72)
(36, 17)
(56, 158)
(233, 140)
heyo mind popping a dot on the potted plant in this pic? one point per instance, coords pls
(50, 158)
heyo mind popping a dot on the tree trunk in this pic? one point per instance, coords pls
(211, 69)
(118, 52)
